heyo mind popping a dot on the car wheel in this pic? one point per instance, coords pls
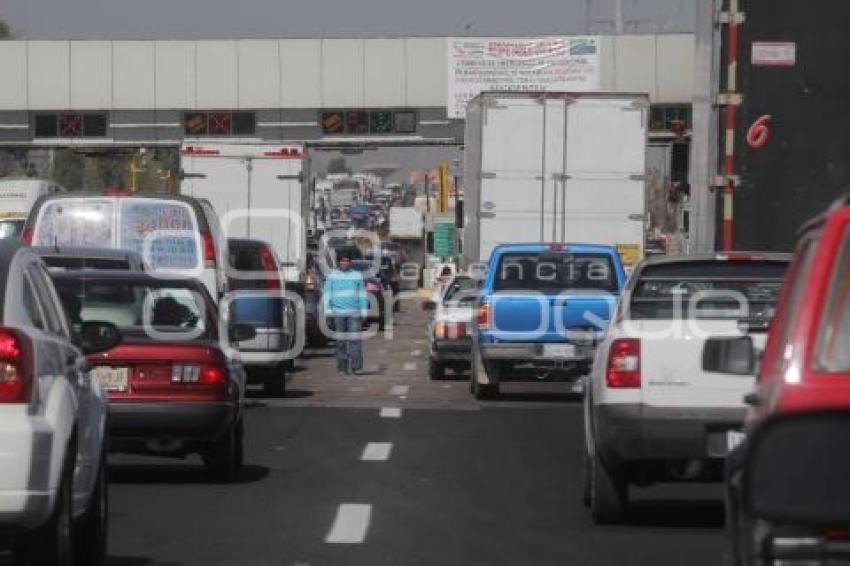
(436, 370)
(608, 493)
(52, 544)
(222, 457)
(90, 538)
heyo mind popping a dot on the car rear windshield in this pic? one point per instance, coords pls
(136, 307)
(168, 228)
(463, 291)
(555, 272)
(708, 290)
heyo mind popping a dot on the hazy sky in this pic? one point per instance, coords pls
(123, 19)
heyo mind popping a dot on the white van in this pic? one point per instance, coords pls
(174, 234)
(17, 197)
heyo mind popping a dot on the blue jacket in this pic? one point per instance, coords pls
(344, 293)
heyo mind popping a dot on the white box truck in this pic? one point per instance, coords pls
(258, 192)
(17, 196)
(555, 167)
(406, 223)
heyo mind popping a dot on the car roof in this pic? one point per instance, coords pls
(544, 246)
(718, 256)
(125, 275)
(194, 202)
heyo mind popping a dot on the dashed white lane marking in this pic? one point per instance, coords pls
(351, 524)
(391, 413)
(377, 452)
(400, 390)
(410, 366)
(416, 353)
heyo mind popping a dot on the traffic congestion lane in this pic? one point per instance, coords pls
(492, 486)
(392, 468)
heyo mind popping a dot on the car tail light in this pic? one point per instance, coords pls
(450, 330)
(27, 236)
(208, 245)
(484, 314)
(15, 380)
(212, 375)
(624, 364)
(195, 374)
(270, 267)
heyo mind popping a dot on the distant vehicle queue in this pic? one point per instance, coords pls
(134, 323)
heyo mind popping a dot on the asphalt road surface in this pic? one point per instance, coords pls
(390, 468)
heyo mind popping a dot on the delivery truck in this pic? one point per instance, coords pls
(555, 167)
(258, 192)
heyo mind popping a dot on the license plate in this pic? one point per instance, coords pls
(733, 439)
(559, 350)
(111, 379)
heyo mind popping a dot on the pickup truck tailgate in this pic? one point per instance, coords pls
(523, 317)
(671, 364)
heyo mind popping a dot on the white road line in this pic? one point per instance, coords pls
(377, 452)
(410, 366)
(391, 413)
(416, 353)
(400, 390)
(350, 524)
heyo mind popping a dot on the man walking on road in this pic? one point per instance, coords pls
(346, 303)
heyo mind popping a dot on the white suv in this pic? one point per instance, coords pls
(651, 413)
(53, 494)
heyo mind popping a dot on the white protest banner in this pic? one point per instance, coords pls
(519, 64)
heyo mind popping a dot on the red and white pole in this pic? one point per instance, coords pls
(731, 114)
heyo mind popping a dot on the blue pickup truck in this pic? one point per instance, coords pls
(543, 309)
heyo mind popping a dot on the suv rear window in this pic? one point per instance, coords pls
(548, 272)
(84, 223)
(707, 290)
(170, 228)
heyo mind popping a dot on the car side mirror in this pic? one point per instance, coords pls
(240, 332)
(96, 336)
(732, 356)
(429, 306)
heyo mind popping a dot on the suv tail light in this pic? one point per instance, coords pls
(27, 236)
(484, 316)
(623, 370)
(270, 266)
(208, 245)
(15, 375)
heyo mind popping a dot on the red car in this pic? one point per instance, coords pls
(172, 389)
(788, 481)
